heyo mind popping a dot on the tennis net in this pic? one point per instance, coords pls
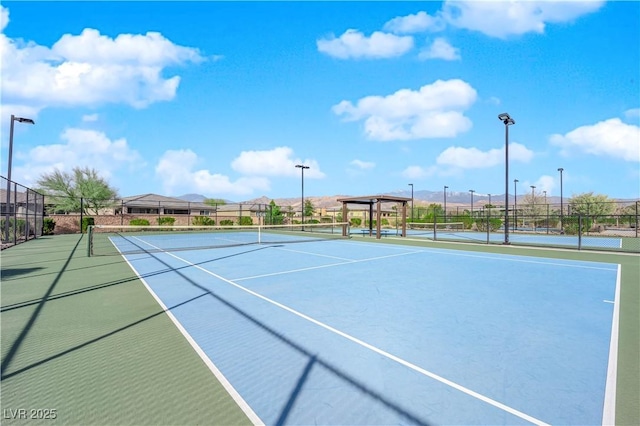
(418, 228)
(129, 239)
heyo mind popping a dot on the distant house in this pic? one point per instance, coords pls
(155, 204)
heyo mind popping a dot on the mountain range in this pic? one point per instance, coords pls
(422, 197)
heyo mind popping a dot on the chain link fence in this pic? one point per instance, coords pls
(70, 213)
(608, 226)
(603, 226)
(22, 213)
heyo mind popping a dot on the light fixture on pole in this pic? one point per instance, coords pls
(302, 167)
(561, 206)
(508, 121)
(7, 209)
(445, 202)
(515, 203)
(411, 185)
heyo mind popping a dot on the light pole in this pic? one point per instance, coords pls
(471, 191)
(445, 202)
(302, 167)
(508, 121)
(561, 206)
(7, 209)
(411, 185)
(515, 204)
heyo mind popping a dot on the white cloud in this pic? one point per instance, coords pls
(417, 172)
(80, 148)
(473, 158)
(504, 18)
(609, 138)
(419, 22)
(276, 162)
(435, 110)
(4, 17)
(90, 117)
(363, 165)
(633, 113)
(176, 170)
(440, 49)
(545, 183)
(91, 69)
(354, 44)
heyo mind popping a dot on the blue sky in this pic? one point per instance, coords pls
(225, 98)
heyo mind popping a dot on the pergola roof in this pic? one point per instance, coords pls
(370, 199)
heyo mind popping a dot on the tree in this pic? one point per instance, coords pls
(82, 187)
(592, 206)
(274, 214)
(532, 208)
(308, 208)
(433, 210)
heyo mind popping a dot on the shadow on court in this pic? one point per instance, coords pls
(6, 361)
(313, 361)
(288, 406)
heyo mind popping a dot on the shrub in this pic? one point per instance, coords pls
(86, 222)
(245, 220)
(203, 221)
(166, 221)
(226, 222)
(20, 226)
(494, 224)
(48, 226)
(571, 225)
(356, 221)
(139, 222)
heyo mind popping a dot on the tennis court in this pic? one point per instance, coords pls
(540, 239)
(353, 332)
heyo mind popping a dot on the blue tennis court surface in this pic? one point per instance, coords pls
(348, 332)
(538, 239)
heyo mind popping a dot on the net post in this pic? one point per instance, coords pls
(89, 240)
(259, 234)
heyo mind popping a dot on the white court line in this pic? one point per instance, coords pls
(608, 301)
(314, 254)
(498, 256)
(509, 258)
(331, 265)
(248, 411)
(364, 344)
(609, 411)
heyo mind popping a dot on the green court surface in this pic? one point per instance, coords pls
(83, 337)
(85, 342)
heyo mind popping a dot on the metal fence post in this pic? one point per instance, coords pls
(435, 225)
(547, 218)
(580, 232)
(15, 214)
(637, 204)
(488, 224)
